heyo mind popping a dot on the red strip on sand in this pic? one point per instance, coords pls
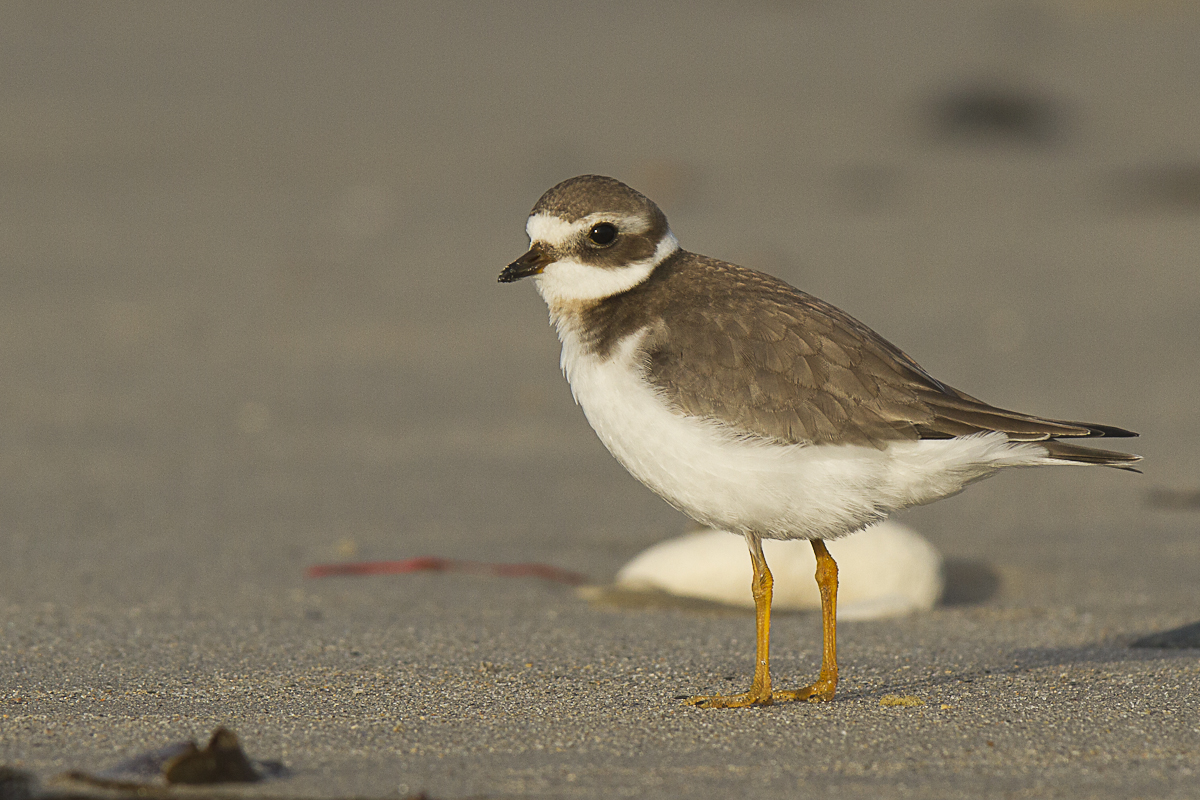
(435, 564)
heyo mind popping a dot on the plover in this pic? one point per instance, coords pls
(752, 406)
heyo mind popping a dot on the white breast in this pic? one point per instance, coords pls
(779, 491)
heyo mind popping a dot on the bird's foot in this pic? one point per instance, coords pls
(743, 700)
(820, 691)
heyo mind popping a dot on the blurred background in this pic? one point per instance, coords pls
(249, 317)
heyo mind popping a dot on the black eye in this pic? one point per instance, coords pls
(603, 234)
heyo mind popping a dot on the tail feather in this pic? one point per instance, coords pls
(1074, 454)
(957, 414)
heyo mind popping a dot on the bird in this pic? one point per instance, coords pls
(755, 407)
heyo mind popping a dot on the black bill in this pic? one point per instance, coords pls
(532, 263)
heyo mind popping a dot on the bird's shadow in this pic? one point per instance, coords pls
(1182, 642)
(971, 583)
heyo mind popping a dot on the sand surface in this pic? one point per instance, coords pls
(249, 322)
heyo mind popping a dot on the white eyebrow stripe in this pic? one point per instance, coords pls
(558, 233)
(551, 230)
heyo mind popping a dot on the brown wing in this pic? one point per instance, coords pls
(769, 360)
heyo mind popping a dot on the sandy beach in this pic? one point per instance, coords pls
(250, 323)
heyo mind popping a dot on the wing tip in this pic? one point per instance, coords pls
(1113, 431)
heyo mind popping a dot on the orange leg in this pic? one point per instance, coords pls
(760, 693)
(827, 581)
(760, 690)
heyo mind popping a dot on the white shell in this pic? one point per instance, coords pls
(884, 571)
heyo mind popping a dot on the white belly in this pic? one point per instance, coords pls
(776, 490)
